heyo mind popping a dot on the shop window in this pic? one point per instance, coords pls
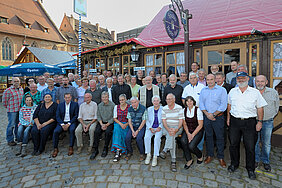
(99, 64)
(175, 63)
(276, 65)
(127, 65)
(113, 64)
(154, 63)
(254, 59)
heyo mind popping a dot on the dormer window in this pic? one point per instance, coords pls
(45, 30)
(3, 20)
(27, 25)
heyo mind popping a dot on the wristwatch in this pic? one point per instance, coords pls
(260, 121)
(214, 115)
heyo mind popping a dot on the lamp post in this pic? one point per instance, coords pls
(185, 16)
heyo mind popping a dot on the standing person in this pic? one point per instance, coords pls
(140, 77)
(214, 69)
(41, 83)
(163, 84)
(44, 123)
(193, 89)
(66, 115)
(34, 93)
(194, 68)
(202, 77)
(94, 91)
(87, 118)
(109, 74)
(102, 83)
(232, 74)
(115, 81)
(136, 116)
(213, 102)
(220, 80)
(153, 75)
(109, 88)
(51, 89)
(105, 118)
(121, 88)
(264, 135)
(159, 80)
(120, 128)
(76, 83)
(81, 90)
(11, 100)
(28, 82)
(183, 80)
(147, 91)
(134, 86)
(71, 78)
(193, 132)
(172, 117)
(25, 124)
(84, 74)
(244, 105)
(243, 68)
(154, 126)
(175, 89)
(66, 88)
(127, 79)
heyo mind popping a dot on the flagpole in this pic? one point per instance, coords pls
(79, 47)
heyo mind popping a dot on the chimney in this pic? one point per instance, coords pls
(113, 35)
(98, 28)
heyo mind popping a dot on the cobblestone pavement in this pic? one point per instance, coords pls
(79, 171)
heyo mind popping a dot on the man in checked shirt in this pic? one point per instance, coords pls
(11, 99)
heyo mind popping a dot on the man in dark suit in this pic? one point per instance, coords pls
(109, 88)
(66, 115)
(121, 88)
(220, 80)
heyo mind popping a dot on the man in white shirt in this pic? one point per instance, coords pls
(87, 118)
(244, 105)
(109, 88)
(193, 89)
(41, 83)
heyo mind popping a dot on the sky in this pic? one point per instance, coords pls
(115, 15)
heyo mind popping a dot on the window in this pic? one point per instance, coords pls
(99, 64)
(54, 47)
(154, 62)
(127, 65)
(276, 64)
(222, 55)
(175, 63)
(3, 20)
(197, 55)
(34, 44)
(113, 64)
(7, 49)
(254, 59)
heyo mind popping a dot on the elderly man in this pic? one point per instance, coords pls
(121, 88)
(87, 118)
(243, 68)
(172, 117)
(214, 69)
(75, 82)
(136, 116)
(213, 102)
(102, 83)
(109, 88)
(94, 91)
(202, 77)
(232, 74)
(105, 118)
(193, 89)
(153, 75)
(85, 74)
(175, 89)
(140, 77)
(71, 78)
(194, 67)
(244, 105)
(66, 116)
(51, 89)
(264, 136)
(115, 81)
(41, 83)
(11, 100)
(183, 80)
(220, 80)
(34, 93)
(66, 88)
(147, 92)
(159, 80)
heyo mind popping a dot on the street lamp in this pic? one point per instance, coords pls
(134, 56)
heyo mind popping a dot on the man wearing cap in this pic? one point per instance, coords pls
(245, 104)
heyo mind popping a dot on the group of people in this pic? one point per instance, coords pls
(191, 111)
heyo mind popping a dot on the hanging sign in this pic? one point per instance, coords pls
(171, 23)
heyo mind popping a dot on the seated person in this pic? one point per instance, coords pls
(120, 127)
(193, 131)
(87, 117)
(25, 124)
(105, 118)
(136, 116)
(66, 115)
(154, 126)
(45, 121)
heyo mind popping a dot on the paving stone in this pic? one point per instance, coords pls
(99, 172)
(210, 183)
(183, 185)
(161, 182)
(276, 183)
(169, 175)
(78, 180)
(89, 172)
(100, 178)
(41, 181)
(114, 185)
(209, 175)
(195, 180)
(237, 184)
(77, 174)
(181, 177)
(222, 179)
(171, 183)
(112, 178)
(57, 184)
(137, 180)
(126, 173)
(30, 183)
(117, 172)
(88, 180)
(125, 179)
(27, 178)
(158, 175)
(124, 166)
(54, 178)
(149, 181)
(101, 185)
